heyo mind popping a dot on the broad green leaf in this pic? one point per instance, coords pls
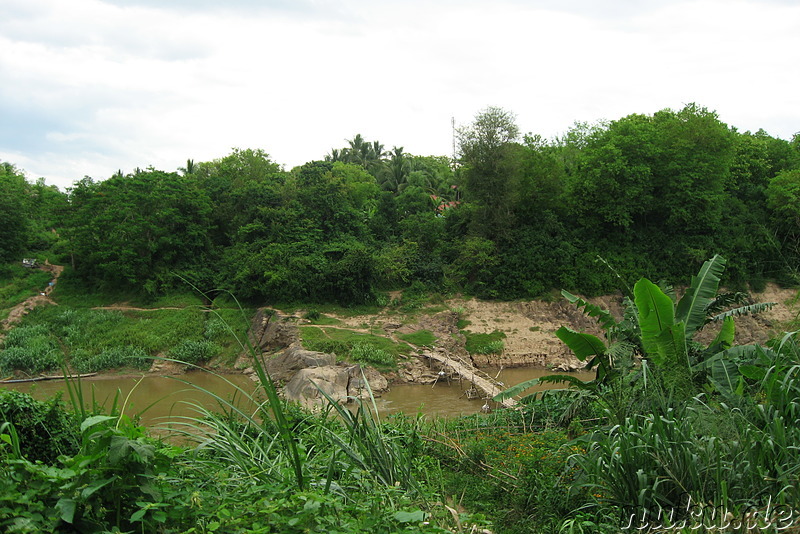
(753, 372)
(692, 307)
(583, 345)
(515, 390)
(95, 420)
(655, 312)
(744, 310)
(89, 490)
(725, 376)
(416, 516)
(552, 379)
(669, 347)
(66, 509)
(724, 339)
(138, 515)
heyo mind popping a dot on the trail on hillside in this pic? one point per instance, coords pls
(23, 308)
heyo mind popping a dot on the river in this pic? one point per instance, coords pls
(157, 400)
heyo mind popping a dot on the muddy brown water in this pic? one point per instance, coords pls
(159, 400)
(449, 398)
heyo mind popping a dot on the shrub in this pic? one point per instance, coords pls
(44, 429)
(215, 329)
(312, 315)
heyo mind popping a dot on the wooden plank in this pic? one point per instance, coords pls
(477, 377)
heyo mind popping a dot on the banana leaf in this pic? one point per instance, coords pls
(692, 308)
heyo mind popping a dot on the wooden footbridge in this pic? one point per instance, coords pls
(480, 380)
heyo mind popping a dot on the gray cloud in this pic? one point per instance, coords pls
(90, 87)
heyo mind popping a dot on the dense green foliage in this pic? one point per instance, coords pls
(669, 424)
(693, 436)
(513, 217)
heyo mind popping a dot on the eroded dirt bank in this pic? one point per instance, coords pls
(530, 326)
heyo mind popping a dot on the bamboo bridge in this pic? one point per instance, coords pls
(480, 380)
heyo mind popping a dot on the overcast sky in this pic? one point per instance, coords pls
(91, 86)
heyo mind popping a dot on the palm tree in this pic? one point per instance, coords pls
(189, 169)
(396, 171)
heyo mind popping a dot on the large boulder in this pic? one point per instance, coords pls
(338, 382)
(357, 387)
(284, 366)
(271, 330)
(305, 387)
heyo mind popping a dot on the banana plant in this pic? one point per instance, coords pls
(656, 328)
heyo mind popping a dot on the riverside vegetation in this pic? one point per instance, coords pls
(673, 433)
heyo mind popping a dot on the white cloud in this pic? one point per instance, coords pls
(91, 86)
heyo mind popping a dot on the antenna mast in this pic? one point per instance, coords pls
(453, 125)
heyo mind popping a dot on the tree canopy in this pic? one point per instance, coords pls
(514, 216)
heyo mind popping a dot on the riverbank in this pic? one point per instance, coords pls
(89, 335)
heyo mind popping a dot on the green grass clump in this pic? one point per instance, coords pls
(420, 338)
(342, 343)
(484, 343)
(30, 349)
(195, 352)
(364, 352)
(83, 361)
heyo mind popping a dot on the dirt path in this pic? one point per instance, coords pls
(125, 307)
(23, 308)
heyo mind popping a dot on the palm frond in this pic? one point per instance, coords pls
(604, 317)
(743, 310)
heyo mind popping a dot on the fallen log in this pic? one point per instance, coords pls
(40, 378)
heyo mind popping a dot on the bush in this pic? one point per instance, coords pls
(44, 429)
(216, 329)
(312, 315)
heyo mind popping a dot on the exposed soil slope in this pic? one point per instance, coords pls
(529, 326)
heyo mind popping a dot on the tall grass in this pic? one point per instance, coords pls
(707, 455)
(30, 349)
(263, 438)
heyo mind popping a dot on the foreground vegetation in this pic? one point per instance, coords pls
(672, 435)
